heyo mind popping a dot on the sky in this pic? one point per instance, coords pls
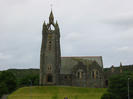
(87, 27)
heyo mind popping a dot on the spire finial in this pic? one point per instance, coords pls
(51, 5)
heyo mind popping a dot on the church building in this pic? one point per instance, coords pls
(83, 71)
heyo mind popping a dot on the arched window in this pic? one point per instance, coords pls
(106, 82)
(49, 45)
(49, 67)
(51, 27)
(80, 74)
(95, 74)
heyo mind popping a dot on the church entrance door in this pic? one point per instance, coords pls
(49, 78)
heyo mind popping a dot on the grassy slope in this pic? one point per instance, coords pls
(54, 92)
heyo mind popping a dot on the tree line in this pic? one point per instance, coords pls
(9, 82)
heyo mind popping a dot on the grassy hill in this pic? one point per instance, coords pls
(54, 92)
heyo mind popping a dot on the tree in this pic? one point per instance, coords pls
(3, 88)
(118, 86)
(28, 80)
(7, 82)
(109, 95)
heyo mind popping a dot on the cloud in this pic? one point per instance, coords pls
(124, 21)
(124, 48)
(4, 56)
(88, 27)
(14, 2)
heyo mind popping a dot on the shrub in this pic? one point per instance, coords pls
(109, 95)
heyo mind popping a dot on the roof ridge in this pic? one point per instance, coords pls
(80, 56)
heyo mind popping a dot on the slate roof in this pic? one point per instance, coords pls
(68, 62)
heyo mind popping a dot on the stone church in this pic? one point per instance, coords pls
(83, 71)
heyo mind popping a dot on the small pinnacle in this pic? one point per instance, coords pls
(44, 23)
(120, 63)
(56, 22)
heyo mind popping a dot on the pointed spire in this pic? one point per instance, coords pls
(120, 64)
(112, 68)
(120, 67)
(56, 23)
(51, 17)
(44, 25)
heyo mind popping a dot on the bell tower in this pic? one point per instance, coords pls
(50, 55)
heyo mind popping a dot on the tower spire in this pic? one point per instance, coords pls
(51, 17)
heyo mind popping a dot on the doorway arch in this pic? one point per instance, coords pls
(49, 78)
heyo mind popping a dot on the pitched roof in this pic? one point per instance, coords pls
(68, 62)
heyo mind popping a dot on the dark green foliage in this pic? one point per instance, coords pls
(109, 96)
(118, 86)
(22, 73)
(3, 88)
(26, 77)
(29, 80)
(15, 78)
(7, 82)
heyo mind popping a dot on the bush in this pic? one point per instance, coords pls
(29, 80)
(109, 95)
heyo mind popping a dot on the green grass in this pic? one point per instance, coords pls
(54, 92)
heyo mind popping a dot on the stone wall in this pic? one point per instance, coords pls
(84, 75)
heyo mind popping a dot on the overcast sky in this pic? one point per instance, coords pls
(88, 28)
